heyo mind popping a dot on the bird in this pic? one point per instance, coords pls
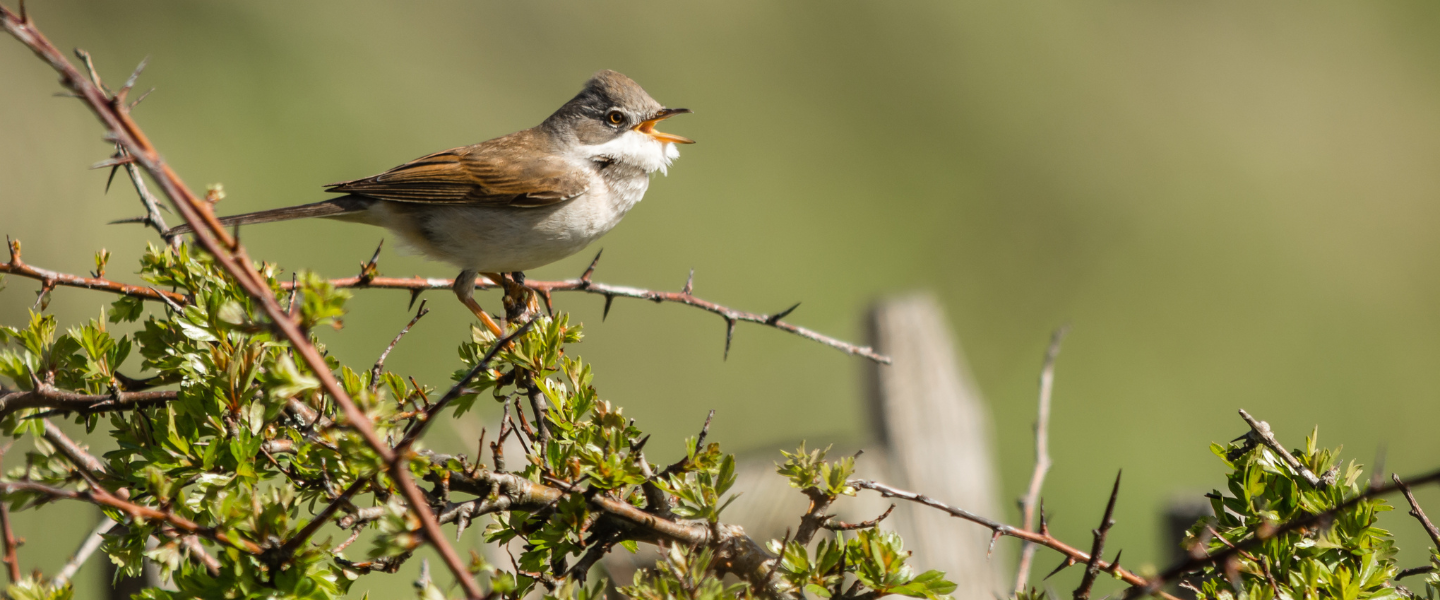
(516, 202)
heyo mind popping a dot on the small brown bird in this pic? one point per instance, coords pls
(515, 202)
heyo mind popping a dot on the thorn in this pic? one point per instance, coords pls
(113, 161)
(167, 300)
(782, 314)
(66, 95)
(24, 18)
(414, 294)
(994, 536)
(368, 270)
(549, 307)
(130, 83)
(704, 430)
(729, 335)
(689, 283)
(1115, 564)
(608, 300)
(1068, 562)
(42, 297)
(590, 270)
(141, 98)
(142, 220)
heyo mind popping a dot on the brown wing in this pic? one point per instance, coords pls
(505, 171)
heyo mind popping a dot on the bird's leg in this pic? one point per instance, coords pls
(465, 290)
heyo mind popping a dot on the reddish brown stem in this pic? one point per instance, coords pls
(227, 252)
(12, 558)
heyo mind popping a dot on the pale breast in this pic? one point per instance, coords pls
(506, 239)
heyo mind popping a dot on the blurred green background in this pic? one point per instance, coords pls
(1233, 204)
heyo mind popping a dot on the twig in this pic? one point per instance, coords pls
(814, 517)
(380, 363)
(1092, 568)
(1417, 512)
(684, 463)
(459, 388)
(12, 559)
(1267, 437)
(51, 279)
(63, 401)
(232, 257)
(152, 216)
(1414, 571)
(294, 543)
(101, 497)
(73, 452)
(1071, 553)
(843, 526)
(539, 407)
(1042, 457)
(87, 547)
(419, 284)
(586, 285)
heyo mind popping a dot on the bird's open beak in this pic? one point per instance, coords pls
(647, 127)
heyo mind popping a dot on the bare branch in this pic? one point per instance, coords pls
(586, 285)
(545, 288)
(1042, 457)
(51, 279)
(380, 363)
(73, 452)
(87, 547)
(1267, 437)
(1418, 513)
(1044, 539)
(833, 525)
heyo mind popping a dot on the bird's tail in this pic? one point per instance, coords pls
(333, 207)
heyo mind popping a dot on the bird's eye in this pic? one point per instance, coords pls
(615, 117)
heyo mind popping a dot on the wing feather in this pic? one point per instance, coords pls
(501, 172)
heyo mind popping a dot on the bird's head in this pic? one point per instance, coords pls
(613, 119)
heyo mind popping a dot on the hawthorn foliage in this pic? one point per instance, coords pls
(250, 450)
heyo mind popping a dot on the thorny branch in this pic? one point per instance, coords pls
(1043, 538)
(419, 284)
(1417, 512)
(49, 279)
(1092, 568)
(114, 114)
(585, 284)
(833, 525)
(1042, 457)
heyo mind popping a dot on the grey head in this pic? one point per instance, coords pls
(610, 106)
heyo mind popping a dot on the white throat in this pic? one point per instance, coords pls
(635, 149)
